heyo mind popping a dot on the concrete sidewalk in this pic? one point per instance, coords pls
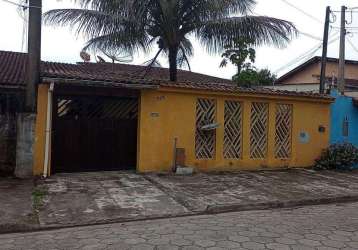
(86, 198)
(16, 210)
(259, 190)
(95, 198)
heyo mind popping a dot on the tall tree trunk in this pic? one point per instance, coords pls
(173, 70)
(238, 69)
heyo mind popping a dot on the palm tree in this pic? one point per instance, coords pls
(134, 26)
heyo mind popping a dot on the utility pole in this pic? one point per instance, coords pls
(342, 49)
(34, 54)
(26, 119)
(324, 52)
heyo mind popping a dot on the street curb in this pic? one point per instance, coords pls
(39, 228)
(18, 228)
(210, 210)
(215, 209)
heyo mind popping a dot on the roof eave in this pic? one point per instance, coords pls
(92, 83)
(242, 92)
(6, 86)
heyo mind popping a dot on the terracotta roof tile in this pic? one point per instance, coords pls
(13, 68)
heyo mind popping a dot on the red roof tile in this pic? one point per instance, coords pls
(13, 68)
(13, 65)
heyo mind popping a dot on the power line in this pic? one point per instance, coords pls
(10, 2)
(302, 11)
(307, 54)
(23, 13)
(310, 36)
(301, 57)
(299, 31)
(352, 44)
(21, 5)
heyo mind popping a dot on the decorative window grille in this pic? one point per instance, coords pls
(205, 140)
(283, 135)
(232, 130)
(97, 108)
(259, 130)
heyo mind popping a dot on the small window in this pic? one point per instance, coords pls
(259, 130)
(345, 127)
(205, 140)
(283, 135)
(232, 130)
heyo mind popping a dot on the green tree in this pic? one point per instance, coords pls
(266, 77)
(250, 77)
(133, 26)
(239, 52)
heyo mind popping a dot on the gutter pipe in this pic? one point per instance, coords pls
(48, 129)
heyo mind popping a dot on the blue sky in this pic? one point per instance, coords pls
(60, 44)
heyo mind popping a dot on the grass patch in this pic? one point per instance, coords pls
(38, 196)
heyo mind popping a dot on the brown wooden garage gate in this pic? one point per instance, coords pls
(94, 133)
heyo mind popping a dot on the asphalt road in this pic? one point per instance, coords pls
(312, 227)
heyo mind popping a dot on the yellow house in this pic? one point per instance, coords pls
(95, 117)
(101, 116)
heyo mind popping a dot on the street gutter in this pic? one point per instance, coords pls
(210, 210)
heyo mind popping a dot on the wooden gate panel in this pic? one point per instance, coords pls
(94, 134)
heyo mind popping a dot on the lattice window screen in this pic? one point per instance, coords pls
(233, 130)
(97, 108)
(205, 140)
(283, 135)
(259, 130)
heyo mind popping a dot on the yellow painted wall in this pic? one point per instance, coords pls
(40, 130)
(166, 115)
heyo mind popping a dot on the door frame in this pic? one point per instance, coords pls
(73, 91)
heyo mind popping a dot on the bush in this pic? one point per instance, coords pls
(338, 156)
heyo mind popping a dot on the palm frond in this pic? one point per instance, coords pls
(183, 59)
(133, 25)
(228, 7)
(118, 41)
(89, 22)
(216, 34)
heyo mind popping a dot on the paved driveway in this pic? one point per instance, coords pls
(82, 198)
(86, 198)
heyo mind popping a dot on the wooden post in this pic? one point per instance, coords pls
(342, 49)
(174, 167)
(324, 52)
(34, 54)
